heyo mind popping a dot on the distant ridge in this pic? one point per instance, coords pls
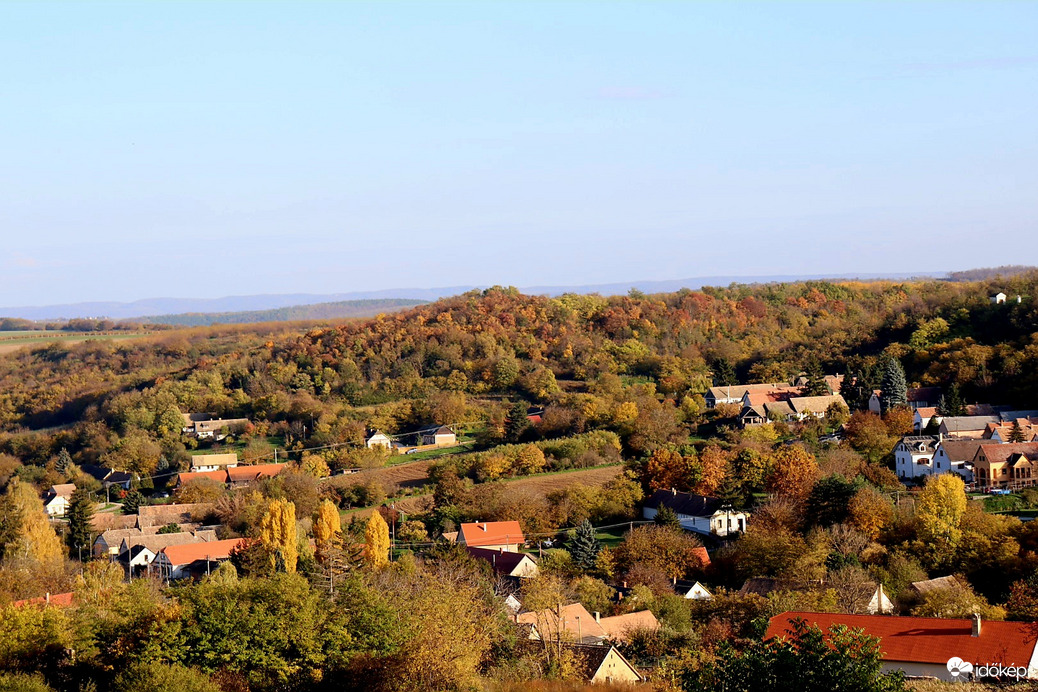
(233, 304)
(343, 309)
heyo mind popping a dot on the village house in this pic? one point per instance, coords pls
(194, 559)
(163, 515)
(969, 427)
(696, 592)
(916, 397)
(108, 477)
(603, 664)
(204, 426)
(619, 627)
(736, 393)
(108, 542)
(914, 457)
(958, 455)
(923, 647)
(1025, 428)
(494, 535)
(704, 515)
(440, 436)
(569, 623)
(213, 462)
(921, 418)
(921, 588)
(377, 438)
(506, 563)
(48, 600)
(1009, 465)
(57, 499)
(137, 553)
(243, 475)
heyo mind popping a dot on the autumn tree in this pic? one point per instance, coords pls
(666, 469)
(939, 511)
(376, 540)
(327, 530)
(792, 471)
(26, 532)
(672, 552)
(869, 511)
(529, 460)
(713, 469)
(278, 535)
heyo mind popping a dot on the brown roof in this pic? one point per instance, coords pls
(218, 476)
(157, 542)
(103, 521)
(927, 411)
(574, 619)
(815, 404)
(928, 640)
(998, 453)
(160, 515)
(936, 584)
(963, 450)
(62, 490)
(589, 658)
(618, 626)
(502, 561)
(491, 533)
(213, 459)
(192, 552)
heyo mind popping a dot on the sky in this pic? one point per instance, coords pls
(204, 149)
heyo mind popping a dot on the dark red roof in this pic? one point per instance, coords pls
(502, 561)
(929, 640)
(54, 599)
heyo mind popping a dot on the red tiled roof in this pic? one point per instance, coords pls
(62, 600)
(191, 552)
(251, 473)
(929, 640)
(704, 556)
(618, 626)
(218, 476)
(492, 533)
(502, 561)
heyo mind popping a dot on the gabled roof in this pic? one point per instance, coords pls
(491, 533)
(967, 423)
(815, 404)
(219, 476)
(160, 515)
(574, 619)
(240, 474)
(928, 640)
(62, 490)
(926, 411)
(999, 453)
(155, 543)
(590, 657)
(962, 450)
(502, 561)
(920, 443)
(213, 460)
(103, 521)
(684, 503)
(935, 584)
(618, 626)
(193, 552)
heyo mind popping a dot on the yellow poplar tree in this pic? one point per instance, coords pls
(327, 529)
(278, 535)
(33, 538)
(939, 509)
(376, 539)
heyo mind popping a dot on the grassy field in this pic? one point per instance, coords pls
(14, 341)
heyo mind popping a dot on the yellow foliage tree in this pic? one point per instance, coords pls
(492, 466)
(870, 511)
(278, 535)
(327, 530)
(32, 539)
(315, 465)
(793, 471)
(530, 460)
(376, 540)
(939, 510)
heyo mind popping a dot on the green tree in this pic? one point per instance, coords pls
(80, 512)
(63, 464)
(665, 516)
(895, 387)
(516, 423)
(170, 528)
(584, 546)
(840, 660)
(160, 677)
(132, 502)
(951, 403)
(724, 373)
(1017, 433)
(829, 501)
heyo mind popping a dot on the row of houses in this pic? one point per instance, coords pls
(206, 426)
(234, 476)
(986, 463)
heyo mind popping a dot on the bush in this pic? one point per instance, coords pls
(158, 677)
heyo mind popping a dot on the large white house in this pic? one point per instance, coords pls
(705, 515)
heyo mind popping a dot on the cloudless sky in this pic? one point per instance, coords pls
(203, 149)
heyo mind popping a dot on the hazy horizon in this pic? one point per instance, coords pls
(225, 149)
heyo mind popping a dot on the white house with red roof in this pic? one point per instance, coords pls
(496, 535)
(928, 646)
(194, 559)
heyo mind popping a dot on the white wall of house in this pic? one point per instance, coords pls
(57, 507)
(942, 461)
(720, 524)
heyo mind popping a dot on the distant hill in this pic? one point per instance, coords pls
(1005, 271)
(318, 311)
(168, 307)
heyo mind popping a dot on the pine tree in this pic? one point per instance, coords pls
(584, 546)
(665, 516)
(816, 385)
(376, 540)
(951, 403)
(132, 502)
(278, 535)
(80, 512)
(516, 423)
(63, 464)
(894, 387)
(724, 373)
(1017, 433)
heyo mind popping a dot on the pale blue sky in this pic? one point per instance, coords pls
(205, 149)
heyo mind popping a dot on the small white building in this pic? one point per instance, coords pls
(441, 437)
(213, 462)
(378, 439)
(914, 457)
(56, 500)
(698, 592)
(999, 298)
(705, 515)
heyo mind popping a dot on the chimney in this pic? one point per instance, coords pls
(482, 526)
(598, 616)
(976, 625)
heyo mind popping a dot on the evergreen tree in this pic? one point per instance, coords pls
(894, 387)
(816, 385)
(132, 502)
(64, 463)
(730, 492)
(1017, 433)
(516, 423)
(951, 403)
(80, 512)
(584, 546)
(665, 516)
(724, 373)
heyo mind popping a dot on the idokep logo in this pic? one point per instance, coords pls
(957, 667)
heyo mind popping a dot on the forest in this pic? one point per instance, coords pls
(538, 388)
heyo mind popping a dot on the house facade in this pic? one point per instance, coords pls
(194, 559)
(1010, 465)
(377, 438)
(914, 457)
(441, 437)
(56, 500)
(213, 462)
(705, 515)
